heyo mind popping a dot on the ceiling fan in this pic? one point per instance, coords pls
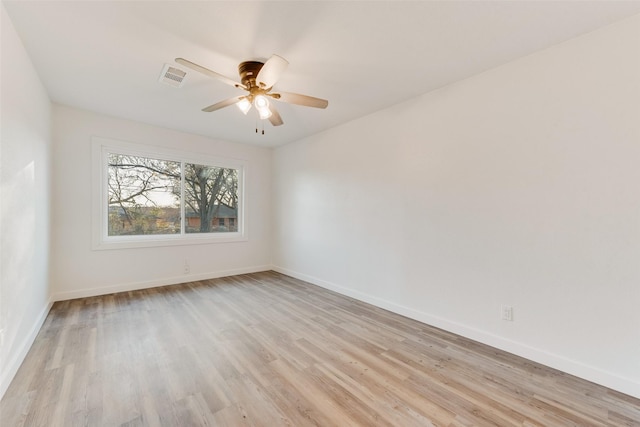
(258, 79)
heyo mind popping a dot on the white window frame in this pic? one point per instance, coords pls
(100, 149)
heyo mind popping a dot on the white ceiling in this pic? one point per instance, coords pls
(360, 55)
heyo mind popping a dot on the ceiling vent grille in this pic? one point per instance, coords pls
(172, 76)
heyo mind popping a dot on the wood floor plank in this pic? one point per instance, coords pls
(266, 349)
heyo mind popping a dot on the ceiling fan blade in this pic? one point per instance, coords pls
(209, 73)
(305, 100)
(271, 71)
(275, 118)
(222, 104)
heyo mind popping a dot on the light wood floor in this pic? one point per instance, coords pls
(268, 350)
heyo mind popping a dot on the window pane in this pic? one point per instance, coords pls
(144, 196)
(211, 199)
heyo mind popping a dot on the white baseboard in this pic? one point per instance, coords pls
(573, 367)
(134, 286)
(12, 367)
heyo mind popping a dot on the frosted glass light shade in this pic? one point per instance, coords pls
(244, 105)
(264, 112)
(262, 105)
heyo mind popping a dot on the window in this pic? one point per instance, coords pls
(143, 195)
(156, 197)
(210, 191)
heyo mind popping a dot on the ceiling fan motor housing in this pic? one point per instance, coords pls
(249, 71)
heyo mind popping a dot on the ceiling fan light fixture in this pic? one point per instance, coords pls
(261, 101)
(244, 105)
(262, 105)
(264, 113)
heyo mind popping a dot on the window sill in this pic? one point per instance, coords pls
(132, 242)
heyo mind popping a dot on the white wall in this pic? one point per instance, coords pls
(519, 186)
(24, 202)
(79, 271)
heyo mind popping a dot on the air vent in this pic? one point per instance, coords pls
(172, 76)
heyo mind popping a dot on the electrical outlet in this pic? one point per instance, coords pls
(506, 312)
(186, 269)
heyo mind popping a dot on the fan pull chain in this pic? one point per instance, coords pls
(262, 126)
